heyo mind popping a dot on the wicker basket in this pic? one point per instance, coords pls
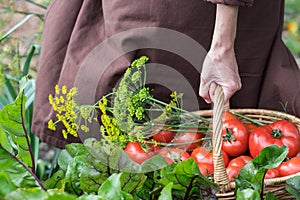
(226, 188)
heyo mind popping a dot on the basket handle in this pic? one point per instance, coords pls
(220, 175)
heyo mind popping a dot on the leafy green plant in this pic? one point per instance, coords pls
(18, 53)
(293, 186)
(249, 183)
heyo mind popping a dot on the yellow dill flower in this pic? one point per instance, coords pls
(51, 125)
(66, 109)
(50, 98)
(292, 27)
(61, 99)
(57, 89)
(64, 89)
(64, 133)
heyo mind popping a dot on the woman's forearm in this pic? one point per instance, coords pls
(220, 65)
(225, 27)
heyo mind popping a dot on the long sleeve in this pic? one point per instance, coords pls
(233, 2)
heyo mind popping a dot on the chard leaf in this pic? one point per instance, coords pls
(187, 180)
(12, 171)
(111, 189)
(131, 183)
(166, 193)
(293, 186)
(27, 193)
(38, 194)
(6, 183)
(251, 176)
(248, 194)
(270, 196)
(56, 180)
(12, 123)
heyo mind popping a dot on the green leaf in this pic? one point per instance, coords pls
(111, 188)
(187, 179)
(270, 196)
(16, 172)
(131, 183)
(6, 184)
(10, 91)
(89, 197)
(76, 149)
(270, 157)
(154, 163)
(3, 101)
(293, 186)
(64, 159)
(112, 156)
(247, 194)
(166, 193)
(56, 194)
(93, 174)
(4, 141)
(38, 194)
(12, 121)
(28, 60)
(27, 193)
(252, 174)
(83, 172)
(55, 181)
(146, 192)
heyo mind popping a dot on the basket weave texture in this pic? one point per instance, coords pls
(226, 188)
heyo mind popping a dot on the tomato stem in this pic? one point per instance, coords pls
(276, 133)
(229, 135)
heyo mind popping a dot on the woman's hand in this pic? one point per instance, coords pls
(220, 66)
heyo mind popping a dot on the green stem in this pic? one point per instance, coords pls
(176, 144)
(253, 121)
(180, 110)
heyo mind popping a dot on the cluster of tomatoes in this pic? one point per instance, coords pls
(241, 143)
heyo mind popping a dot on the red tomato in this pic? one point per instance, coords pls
(153, 148)
(289, 167)
(235, 138)
(173, 154)
(229, 116)
(232, 172)
(250, 127)
(206, 168)
(235, 165)
(136, 153)
(272, 173)
(240, 161)
(202, 155)
(281, 132)
(163, 135)
(188, 140)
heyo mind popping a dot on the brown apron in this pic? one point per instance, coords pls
(270, 75)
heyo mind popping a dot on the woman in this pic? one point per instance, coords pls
(243, 38)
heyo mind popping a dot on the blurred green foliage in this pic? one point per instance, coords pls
(291, 34)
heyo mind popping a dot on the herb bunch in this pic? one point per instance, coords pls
(129, 112)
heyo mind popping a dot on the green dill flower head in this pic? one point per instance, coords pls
(140, 61)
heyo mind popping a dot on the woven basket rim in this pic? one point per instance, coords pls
(273, 113)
